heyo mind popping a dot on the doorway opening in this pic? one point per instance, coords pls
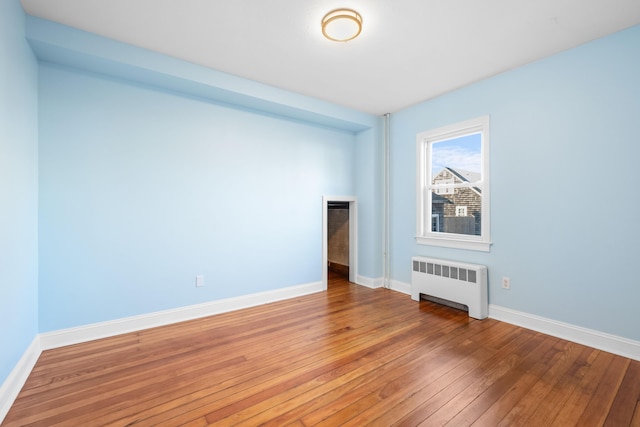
(338, 239)
(339, 242)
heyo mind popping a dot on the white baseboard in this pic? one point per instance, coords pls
(600, 340)
(369, 282)
(95, 331)
(18, 376)
(379, 283)
(401, 287)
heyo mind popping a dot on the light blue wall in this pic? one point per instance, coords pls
(565, 200)
(369, 151)
(18, 189)
(141, 190)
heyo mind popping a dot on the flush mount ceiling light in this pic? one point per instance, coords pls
(342, 25)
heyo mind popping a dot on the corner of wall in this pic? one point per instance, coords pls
(15, 381)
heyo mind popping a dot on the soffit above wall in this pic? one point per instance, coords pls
(409, 50)
(60, 44)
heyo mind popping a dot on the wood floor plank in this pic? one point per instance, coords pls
(601, 399)
(575, 405)
(255, 379)
(529, 404)
(397, 388)
(431, 399)
(424, 367)
(492, 396)
(350, 375)
(406, 409)
(471, 386)
(123, 373)
(562, 390)
(487, 396)
(635, 422)
(253, 372)
(297, 378)
(626, 401)
(351, 356)
(521, 385)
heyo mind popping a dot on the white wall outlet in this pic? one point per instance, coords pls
(199, 280)
(506, 283)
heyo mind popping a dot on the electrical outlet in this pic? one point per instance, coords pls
(199, 280)
(506, 283)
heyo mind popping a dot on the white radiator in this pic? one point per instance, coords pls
(452, 281)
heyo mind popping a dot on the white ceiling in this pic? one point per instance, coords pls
(409, 50)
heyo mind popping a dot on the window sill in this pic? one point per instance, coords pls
(472, 245)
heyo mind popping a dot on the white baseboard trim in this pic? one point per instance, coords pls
(369, 282)
(401, 287)
(18, 376)
(600, 340)
(395, 285)
(125, 325)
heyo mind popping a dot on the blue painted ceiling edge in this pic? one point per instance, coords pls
(59, 44)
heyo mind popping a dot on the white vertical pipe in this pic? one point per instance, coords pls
(386, 200)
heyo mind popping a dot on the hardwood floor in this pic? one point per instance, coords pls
(352, 356)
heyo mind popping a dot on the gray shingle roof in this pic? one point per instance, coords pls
(466, 175)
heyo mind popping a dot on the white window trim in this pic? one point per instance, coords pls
(424, 235)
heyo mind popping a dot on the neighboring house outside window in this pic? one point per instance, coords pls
(460, 210)
(453, 186)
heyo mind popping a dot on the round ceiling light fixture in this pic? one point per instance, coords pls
(342, 25)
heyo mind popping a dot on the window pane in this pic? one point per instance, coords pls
(447, 215)
(452, 186)
(457, 158)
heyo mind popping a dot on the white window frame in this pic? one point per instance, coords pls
(461, 211)
(437, 218)
(424, 141)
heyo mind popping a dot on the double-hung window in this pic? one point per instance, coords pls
(452, 189)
